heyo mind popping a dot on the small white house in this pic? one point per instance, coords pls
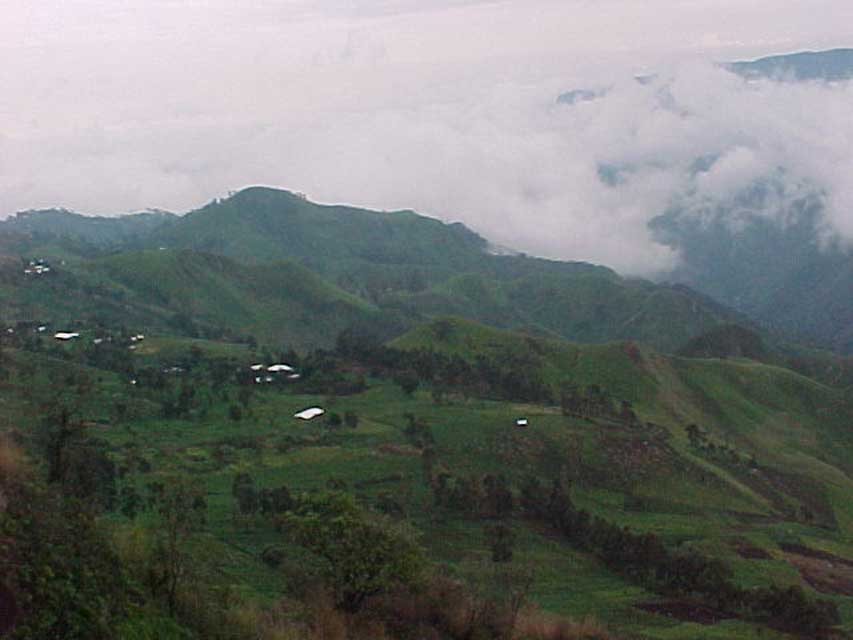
(66, 335)
(521, 422)
(310, 413)
(276, 368)
(256, 367)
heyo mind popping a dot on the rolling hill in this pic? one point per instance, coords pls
(403, 261)
(735, 460)
(408, 266)
(187, 292)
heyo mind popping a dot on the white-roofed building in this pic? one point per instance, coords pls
(276, 368)
(66, 335)
(310, 413)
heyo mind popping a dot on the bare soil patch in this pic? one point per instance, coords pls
(824, 572)
(686, 611)
(745, 549)
(389, 448)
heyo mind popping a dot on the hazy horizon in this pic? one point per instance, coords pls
(449, 110)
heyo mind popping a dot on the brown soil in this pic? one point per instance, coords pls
(746, 549)
(637, 457)
(687, 611)
(388, 448)
(824, 572)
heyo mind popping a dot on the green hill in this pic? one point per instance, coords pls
(731, 459)
(400, 260)
(410, 266)
(760, 407)
(187, 292)
(258, 225)
(282, 303)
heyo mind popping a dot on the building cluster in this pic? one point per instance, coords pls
(36, 268)
(266, 374)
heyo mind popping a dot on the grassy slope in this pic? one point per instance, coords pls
(788, 421)
(687, 497)
(281, 304)
(401, 259)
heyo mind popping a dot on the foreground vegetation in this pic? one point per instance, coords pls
(163, 492)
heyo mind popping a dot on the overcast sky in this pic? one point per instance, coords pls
(444, 106)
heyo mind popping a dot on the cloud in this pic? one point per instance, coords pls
(449, 109)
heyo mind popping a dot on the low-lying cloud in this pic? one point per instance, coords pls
(371, 109)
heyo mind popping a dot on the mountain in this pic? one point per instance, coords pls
(422, 267)
(775, 269)
(259, 225)
(189, 293)
(403, 266)
(98, 231)
(761, 248)
(832, 65)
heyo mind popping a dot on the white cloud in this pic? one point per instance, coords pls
(444, 107)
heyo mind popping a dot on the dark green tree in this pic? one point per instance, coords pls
(364, 554)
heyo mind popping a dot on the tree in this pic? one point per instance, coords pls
(64, 577)
(334, 420)
(235, 413)
(501, 540)
(77, 463)
(364, 553)
(408, 381)
(351, 419)
(246, 497)
(499, 500)
(244, 395)
(130, 501)
(181, 510)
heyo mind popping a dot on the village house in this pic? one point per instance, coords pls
(310, 413)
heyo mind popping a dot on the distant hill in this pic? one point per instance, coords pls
(780, 274)
(423, 267)
(407, 266)
(725, 342)
(258, 225)
(727, 392)
(760, 250)
(188, 293)
(99, 231)
(835, 64)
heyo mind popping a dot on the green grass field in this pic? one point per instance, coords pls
(648, 477)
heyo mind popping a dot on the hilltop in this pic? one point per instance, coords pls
(406, 266)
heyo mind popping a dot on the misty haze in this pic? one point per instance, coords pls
(443, 320)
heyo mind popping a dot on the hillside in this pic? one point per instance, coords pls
(831, 65)
(733, 460)
(96, 231)
(258, 225)
(403, 261)
(190, 293)
(792, 423)
(412, 267)
(779, 273)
